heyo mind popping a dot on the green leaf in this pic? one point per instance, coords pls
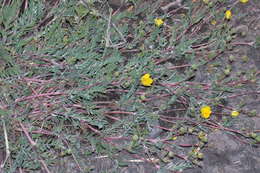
(4, 112)
(9, 13)
(257, 139)
(4, 55)
(122, 164)
(81, 10)
(257, 41)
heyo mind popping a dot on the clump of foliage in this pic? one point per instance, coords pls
(71, 82)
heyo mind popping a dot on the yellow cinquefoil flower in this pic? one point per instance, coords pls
(158, 22)
(234, 113)
(174, 138)
(205, 111)
(228, 14)
(244, 1)
(213, 22)
(146, 80)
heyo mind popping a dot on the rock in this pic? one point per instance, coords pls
(225, 154)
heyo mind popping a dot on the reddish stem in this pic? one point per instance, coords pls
(120, 112)
(38, 95)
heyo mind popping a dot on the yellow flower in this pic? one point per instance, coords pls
(234, 113)
(228, 14)
(146, 80)
(158, 22)
(244, 1)
(205, 112)
(174, 138)
(213, 22)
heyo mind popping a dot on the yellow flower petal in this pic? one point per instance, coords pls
(234, 113)
(205, 112)
(158, 22)
(244, 1)
(228, 14)
(146, 80)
